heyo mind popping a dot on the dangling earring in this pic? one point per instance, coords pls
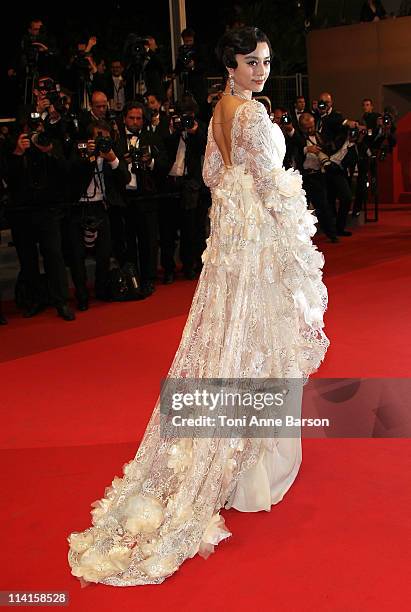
(231, 81)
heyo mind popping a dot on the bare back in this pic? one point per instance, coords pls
(223, 117)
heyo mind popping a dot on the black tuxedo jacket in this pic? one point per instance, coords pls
(158, 151)
(81, 172)
(195, 149)
(332, 129)
(37, 178)
(294, 118)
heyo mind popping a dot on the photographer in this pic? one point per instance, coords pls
(366, 154)
(186, 209)
(385, 139)
(146, 157)
(53, 107)
(112, 85)
(331, 123)
(311, 161)
(154, 69)
(190, 67)
(372, 149)
(80, 73)
(297, 110)
(281, 117)
(96, 179)
(99, 111)
(37, 55)
(144, 69)
(36, 178)
(47, 104)
(159, 118)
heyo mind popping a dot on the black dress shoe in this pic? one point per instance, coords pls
(344, 233)
(168, 278)
(3, 320)
(33, 310)
(65, 313)
(333, 239)
(147, 289)
(82, 305)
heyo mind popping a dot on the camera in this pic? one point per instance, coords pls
(285, 119)
(104, 144)
(135, 51)
(325, 162)
(81, 63)
(322, 105)
(111, 116)
(186, 54)
(182, 121)
(36, 135)
(52, 92)
(136, 154)
(386, 119)
(355, 133)
(82, 149)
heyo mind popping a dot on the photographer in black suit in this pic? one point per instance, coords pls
(146, 157)
(36, 178)
(312, 162)
(96, 179)
(297, 110)
(37, 55)
(186, 209)
(98, 112)
(366, 154)
(330, 123)
(159, 123)
(154, 69)
(48, 105)
(335, 130)
(190, 67)
(283, 119)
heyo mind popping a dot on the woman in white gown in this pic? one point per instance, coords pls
(257, 313)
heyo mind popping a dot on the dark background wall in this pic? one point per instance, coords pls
(357, 61)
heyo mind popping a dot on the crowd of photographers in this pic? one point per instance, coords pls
(336, 156)
(108, 165)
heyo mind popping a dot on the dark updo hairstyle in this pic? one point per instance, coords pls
(242, 41)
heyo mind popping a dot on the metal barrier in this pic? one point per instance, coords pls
(283, 90)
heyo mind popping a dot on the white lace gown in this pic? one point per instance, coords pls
(257, 313)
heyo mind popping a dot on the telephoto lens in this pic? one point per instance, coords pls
(90, 237)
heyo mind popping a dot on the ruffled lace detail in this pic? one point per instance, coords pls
(257, 313)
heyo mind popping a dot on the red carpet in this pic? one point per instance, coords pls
(75, 400)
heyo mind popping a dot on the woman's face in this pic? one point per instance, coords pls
(253, 69)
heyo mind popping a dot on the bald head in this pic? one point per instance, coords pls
(328, 99)
(99, 104)
(307, 123)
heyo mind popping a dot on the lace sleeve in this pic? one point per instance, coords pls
(213, 162)
(260, 146)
